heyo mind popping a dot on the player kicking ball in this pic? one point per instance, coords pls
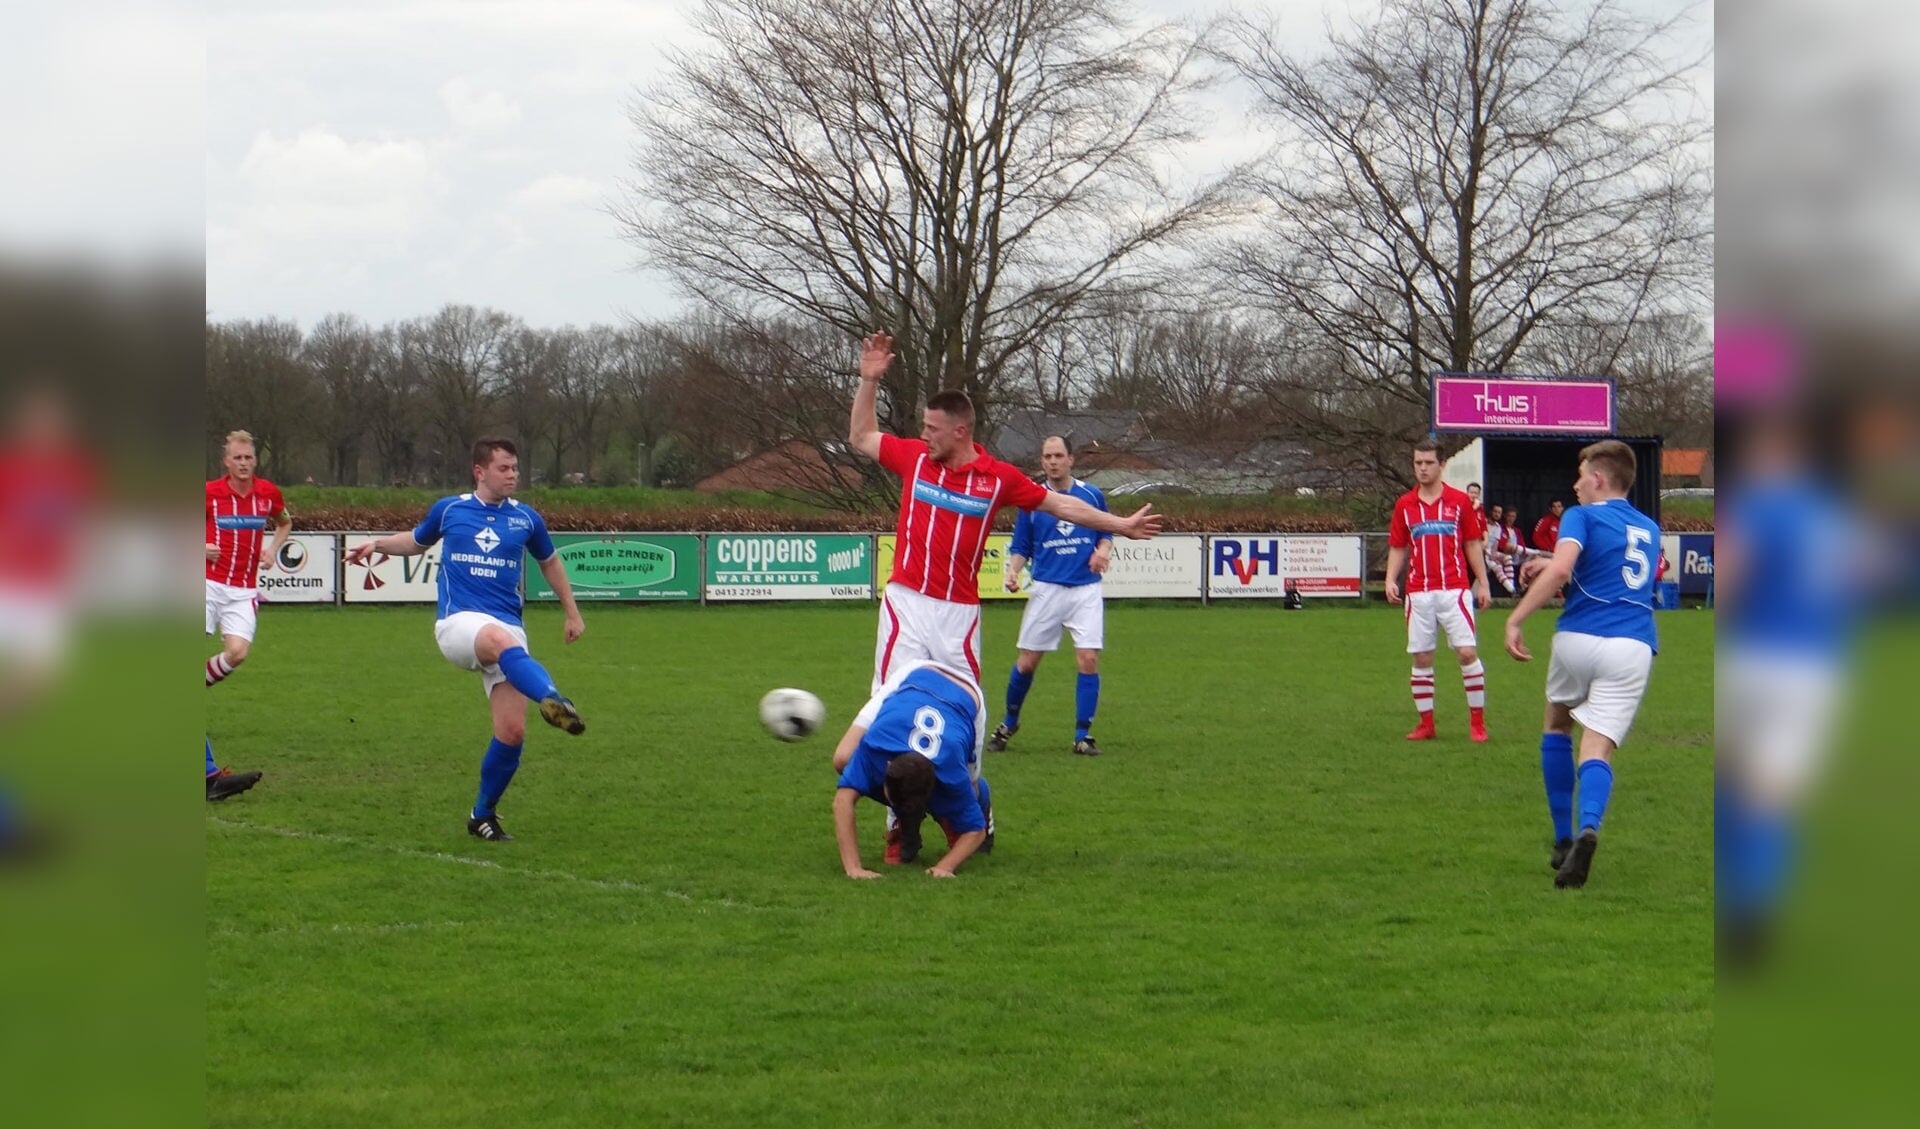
(1603, 647)
(479, 627)
(915, 747)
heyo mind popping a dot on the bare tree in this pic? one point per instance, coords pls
(258, 381)
(1454, 174)
(458, 353)
(343, 355)
(963, 173)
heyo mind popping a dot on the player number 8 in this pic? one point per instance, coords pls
(928, 725)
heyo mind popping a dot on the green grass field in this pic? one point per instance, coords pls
(1261, 908)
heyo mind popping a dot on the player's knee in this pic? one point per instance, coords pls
(1027, 662)
(490, 642)
(1468, 655)
(1089, 661)
(236, 650)
(510, 731)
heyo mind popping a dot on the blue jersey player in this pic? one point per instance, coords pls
(1068, 562)
(1603, 647)
(478, 621)
(915, 747)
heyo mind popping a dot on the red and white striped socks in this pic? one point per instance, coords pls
(217, 668)
(1474, 675)
(1422, 683)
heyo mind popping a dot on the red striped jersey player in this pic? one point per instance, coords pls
(1439, 532)
(240, 507)
(950, 490)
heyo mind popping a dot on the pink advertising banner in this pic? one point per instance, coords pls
(1539, 405)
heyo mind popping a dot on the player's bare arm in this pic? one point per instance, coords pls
(213, 551)
(392, 545)
(1476, 552)
(1102, 557)
(555, 570)
(1548, 578)
(1140, 525)
(1396, 560)
(863, 430)
(961, 851)
(282, 530)
(1015, 562)
(843, 753)
(845, 834)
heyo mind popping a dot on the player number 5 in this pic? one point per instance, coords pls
(1638, 568)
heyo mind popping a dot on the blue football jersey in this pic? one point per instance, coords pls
(1057, 549)
(924, 714)
(1612, 590)
(1795, 537)
(480, 563)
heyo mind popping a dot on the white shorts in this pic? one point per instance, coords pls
(457, 634)
(231, 610)
(915, 626)
(1774, 716)
(1079, 608)
(1428, 612)
(1601, 678)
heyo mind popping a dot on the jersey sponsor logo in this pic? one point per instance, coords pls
(241, 522)
(519, 523)
(1435, 529)
(487, 539)
(965, 505)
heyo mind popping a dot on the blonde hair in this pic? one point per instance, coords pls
(240, 437)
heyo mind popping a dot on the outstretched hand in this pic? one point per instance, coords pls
(1143, 524)
(1517, 643)
(876, 355)
(359, 553)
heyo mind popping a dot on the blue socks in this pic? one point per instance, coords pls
(1556, 768)
(525, 674)
(496, 772)
(1596, 784)
(1017, 686)
(1086, 699)
(211, 767)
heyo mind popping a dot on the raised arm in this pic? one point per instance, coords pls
(392, 545)
(1140, 525)
(863, 429)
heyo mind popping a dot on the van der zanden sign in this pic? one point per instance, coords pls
(1528, 404)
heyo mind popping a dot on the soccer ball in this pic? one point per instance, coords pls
(791, 715)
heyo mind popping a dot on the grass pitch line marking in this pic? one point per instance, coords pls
(617, 884)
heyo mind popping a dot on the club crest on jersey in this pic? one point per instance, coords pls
(1064, 526)
(487, 539)
(965, 505)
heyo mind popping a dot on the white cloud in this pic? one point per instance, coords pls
(558, 190)
(322, 186)
(476, 111)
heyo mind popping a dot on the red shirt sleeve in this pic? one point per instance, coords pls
(1543, 532)
(1473, 524)
(1021, 491)
(898, 455)
(1398, 536)
(278, 500)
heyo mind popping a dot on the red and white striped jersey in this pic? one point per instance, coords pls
(1435, 535)
(238, 523)
(946, 515)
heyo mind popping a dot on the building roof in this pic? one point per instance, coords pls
(1683, 462)
(793, 465)
(1018, 437)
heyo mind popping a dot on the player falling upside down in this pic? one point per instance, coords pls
(240, 506)
(1440, 531)
(478, 625)
(915, 747)
(1603, 646)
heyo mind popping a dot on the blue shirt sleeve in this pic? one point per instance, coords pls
(430, 527)
(957, 806)
(1573, 526)
(1022, 545)
(1098, 500)
(866, 773)
(540, 544)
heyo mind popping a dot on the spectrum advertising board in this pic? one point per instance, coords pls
(1260, 566)
(789, 566)
(305, 571)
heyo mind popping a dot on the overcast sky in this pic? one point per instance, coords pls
(385, 157)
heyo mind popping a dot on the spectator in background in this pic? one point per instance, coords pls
(1499, 561)
(1473, 491)
(1546, 531)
